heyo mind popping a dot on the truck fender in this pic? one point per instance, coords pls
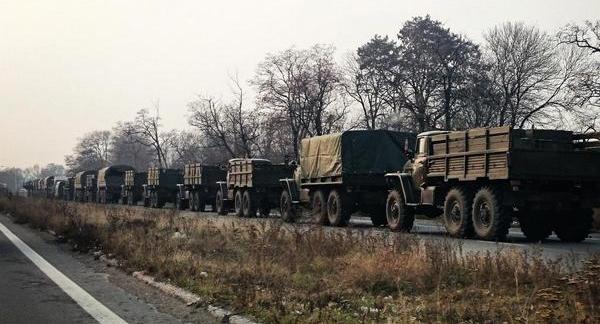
(404, 183)
(291, 187)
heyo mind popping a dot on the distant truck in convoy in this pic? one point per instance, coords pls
(79, 185)
(481, 179)
(110, 180)
(69, 189)
(47, 187)
(340, 174)
(252, 185)
(161, 187)
(132, 189)
(58, 189)
(199, 186)
(91, 187)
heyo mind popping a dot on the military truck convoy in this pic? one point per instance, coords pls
(479, 181)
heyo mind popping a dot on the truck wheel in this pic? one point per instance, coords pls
(457, 213)
(153, 200)
(491, 219)
(220, 203)
(337, 209)
(237, 201)
(319, 210)
(179, 204)
(534, 226)
(287, 210)
(400, 217)
(130, 199)
(575, 228)
(194, 201)
(248, 204)
(146, 202)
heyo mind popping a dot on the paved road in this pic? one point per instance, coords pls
(28, 295)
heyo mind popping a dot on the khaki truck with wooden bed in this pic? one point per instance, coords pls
(340, 174)
(161, 187)
(199, 186)
(132, 190)
(481, 180)
(110, 181)
(252, 185)
(79, 191)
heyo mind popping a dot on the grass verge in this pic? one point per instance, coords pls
(282, 274)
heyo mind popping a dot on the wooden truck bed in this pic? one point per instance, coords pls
(256, 173)
(505, 153)
(198, 174)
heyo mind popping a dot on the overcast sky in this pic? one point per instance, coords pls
(69, 67)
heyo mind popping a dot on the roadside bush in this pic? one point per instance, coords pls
(312, 274)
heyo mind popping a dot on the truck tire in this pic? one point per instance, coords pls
(237, 203)
(400, 217)
(160, 203)
(147, 202)
(153, 200)
(179, 203)
(248, 204)
(457, 213)
(130, 201)
(286, 207)
(575, 228)
(194, 201)
(319, 209)
(491, 219)
(338, 212)
(220, 203)
(534, 226)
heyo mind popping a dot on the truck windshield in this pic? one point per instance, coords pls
(422, 146)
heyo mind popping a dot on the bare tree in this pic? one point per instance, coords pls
(125, 149)
(91, 152)
(145, 129)
(304, 86)
(533, 74)
(229, 126)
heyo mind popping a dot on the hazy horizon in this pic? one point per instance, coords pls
(70, 67)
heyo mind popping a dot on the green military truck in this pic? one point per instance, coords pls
(482, 179)
(110, 180)
(161, 187)
(252, 185)
(132, 189)
(199, 186)
(340, 174)
(79, 185)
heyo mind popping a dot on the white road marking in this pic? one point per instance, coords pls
(98, 311)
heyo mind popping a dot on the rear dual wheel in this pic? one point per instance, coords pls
(576, 227)
(220, 203)
(338, 208)
(457, 212)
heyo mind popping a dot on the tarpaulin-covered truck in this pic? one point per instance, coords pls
(132, 189)
(481, 179)
(199, 186)
(161, 186)
(79, 185)
(252, 185)
(110, 180)
(339, 174)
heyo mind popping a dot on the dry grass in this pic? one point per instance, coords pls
(314, 276)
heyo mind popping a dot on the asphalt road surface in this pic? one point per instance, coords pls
(78, 290)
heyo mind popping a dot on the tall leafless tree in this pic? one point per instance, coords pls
(145, 129)
(533, 74)
(304, 85)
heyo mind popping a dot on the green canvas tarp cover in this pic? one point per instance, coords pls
(354, 152)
